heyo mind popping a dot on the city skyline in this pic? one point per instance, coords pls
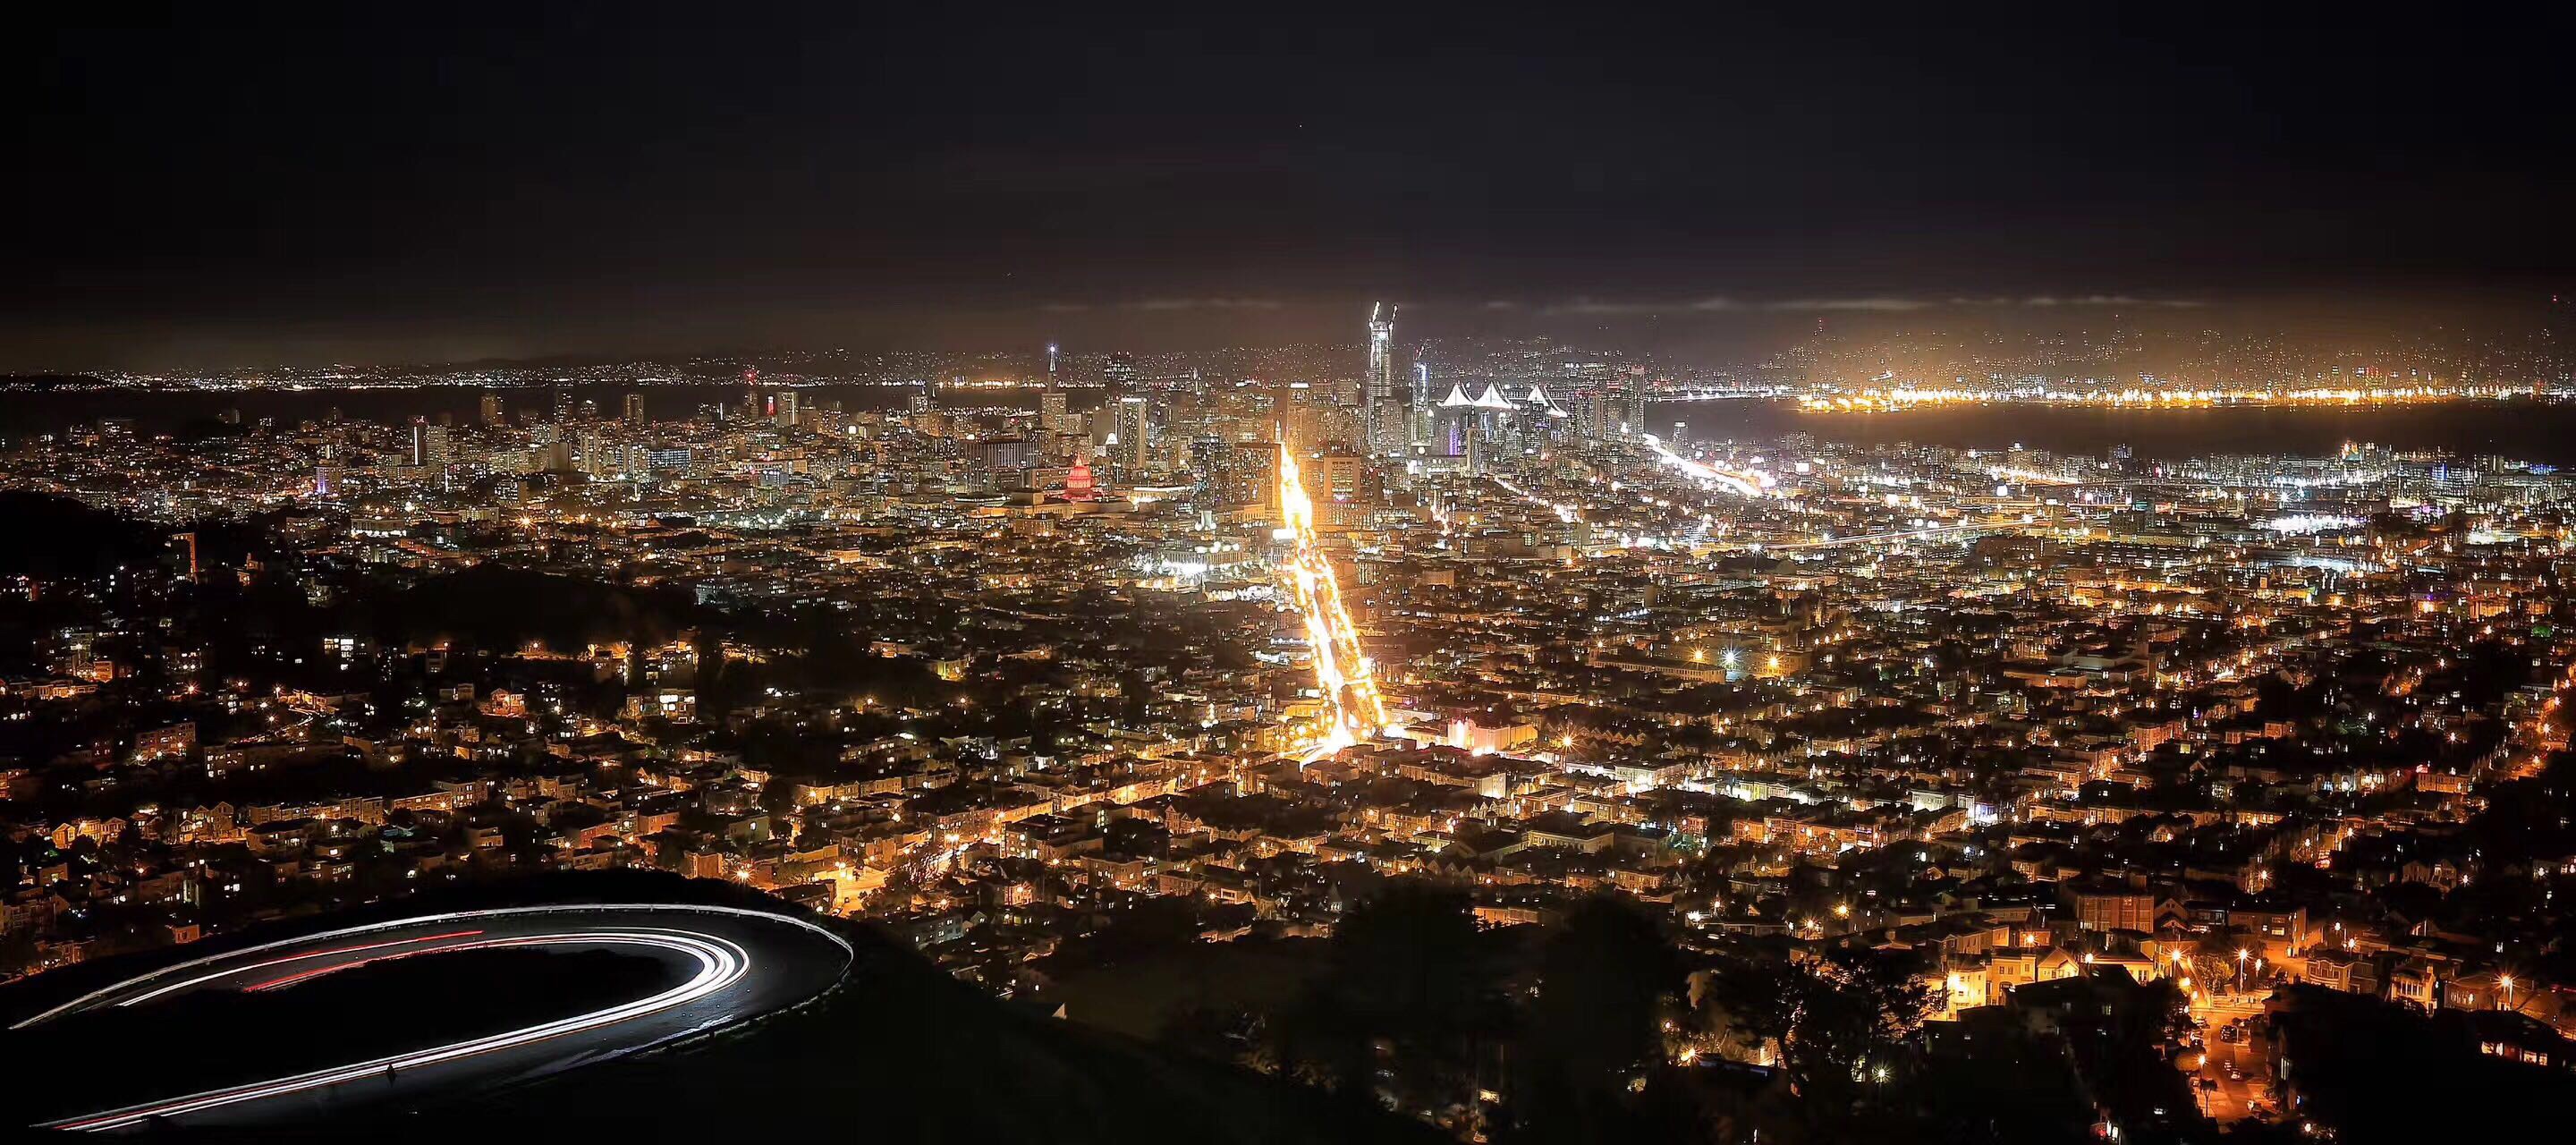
(1667, 714)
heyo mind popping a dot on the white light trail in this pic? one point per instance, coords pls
(1749, 483)
(1565, 513)
(721, 964)
(204, 978)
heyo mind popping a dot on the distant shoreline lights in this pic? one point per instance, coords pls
(1881, 401)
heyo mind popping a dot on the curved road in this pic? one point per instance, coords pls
(739, 964)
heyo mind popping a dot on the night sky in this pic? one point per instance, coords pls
(416, 182)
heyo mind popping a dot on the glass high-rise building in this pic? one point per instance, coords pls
(1386, 417)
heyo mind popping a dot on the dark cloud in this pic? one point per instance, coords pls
(267, 180)
(1204, 304)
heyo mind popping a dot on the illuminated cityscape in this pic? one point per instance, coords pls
(995, 669)
(1910, 577)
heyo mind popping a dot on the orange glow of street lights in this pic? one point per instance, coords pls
(1342, 671)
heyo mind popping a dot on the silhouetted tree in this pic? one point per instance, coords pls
(1846, 1022)
(1990, 1079)
(1405, 1004)
(1606, 982)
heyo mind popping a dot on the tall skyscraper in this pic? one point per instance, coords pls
(1384, 417)
(429, 445)
(1051, 366)
(492, 410)
(1253, 475)
(1632, 401)
(1335, 477)
(1210, 456)
(1421, 402)
(1133, 428)
(634, 410)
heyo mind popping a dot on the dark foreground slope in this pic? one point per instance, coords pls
(906, 1054)
(899, 1053)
